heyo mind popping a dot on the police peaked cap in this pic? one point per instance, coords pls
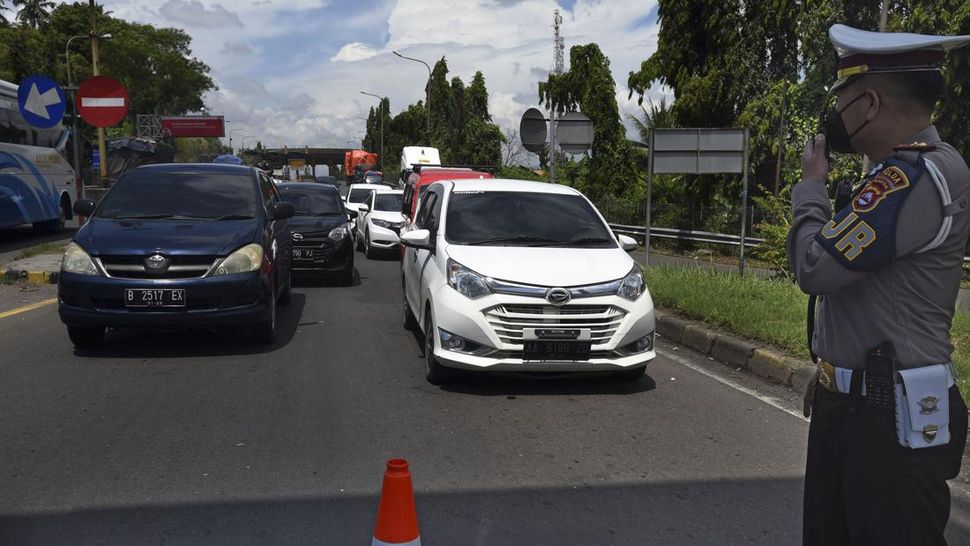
(864, 52)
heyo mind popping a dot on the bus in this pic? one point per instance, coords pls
(37, 182)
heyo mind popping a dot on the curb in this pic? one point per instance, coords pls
(761, 360)
(31, 277)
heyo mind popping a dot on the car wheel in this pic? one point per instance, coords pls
(357, 242)
(264, 333)
(347, 277)
(435, 373)
(631, 375)
(410, 322)
(286, 297)
(368, 253)
(86, 337)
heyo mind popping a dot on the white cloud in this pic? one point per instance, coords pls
(288, 52)
(193, 13)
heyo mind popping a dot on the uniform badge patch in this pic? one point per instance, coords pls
(878, 187)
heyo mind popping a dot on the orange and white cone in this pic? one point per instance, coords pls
(397, 517)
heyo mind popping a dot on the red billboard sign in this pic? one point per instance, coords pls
(193, 126)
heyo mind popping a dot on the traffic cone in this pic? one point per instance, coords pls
(397, 518)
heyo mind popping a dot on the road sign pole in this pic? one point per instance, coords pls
(96, 70)
(646, 222)
(744, 202)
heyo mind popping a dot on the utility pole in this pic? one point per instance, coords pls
(96, 70)
(883, 15)
(781, 137)
(557, 70)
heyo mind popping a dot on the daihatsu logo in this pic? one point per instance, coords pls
(558, 296)
(297, 236)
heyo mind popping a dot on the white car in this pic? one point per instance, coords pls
(510, 275)
(357, 194)
(380, 221)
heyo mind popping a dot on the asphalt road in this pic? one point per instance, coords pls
(197, 438)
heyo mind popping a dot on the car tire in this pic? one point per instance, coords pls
(631, 375)
(86, 337)
(357, 242)
(368, 253)
(435, 373)
(264, 333)
(410, 322)
(347, 277)
(286, 297)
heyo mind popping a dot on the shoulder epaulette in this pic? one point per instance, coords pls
(914, 147)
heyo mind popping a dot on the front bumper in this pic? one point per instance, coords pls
(496, 321)
(328, 257)
(87, 300)
(383, 238)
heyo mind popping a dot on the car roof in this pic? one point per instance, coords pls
(508, 184)
(433, 175)
(307, 186)
(196, 167)
(369, 186)
(391, 190)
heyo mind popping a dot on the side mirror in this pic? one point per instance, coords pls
(627, 243)
(352, 214)
(84, 207)
(282, 211)
(364, 208)
(419, 238)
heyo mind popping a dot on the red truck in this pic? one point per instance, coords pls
(358, 159)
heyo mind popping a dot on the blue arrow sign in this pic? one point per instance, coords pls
(41, 101)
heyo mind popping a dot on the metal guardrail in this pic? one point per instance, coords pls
(688, 235)
(697, 236)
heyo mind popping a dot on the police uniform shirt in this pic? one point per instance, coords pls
(869, 262)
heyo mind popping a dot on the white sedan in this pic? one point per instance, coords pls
(380, 221)
(509, 275)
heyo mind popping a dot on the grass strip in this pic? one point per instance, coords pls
(766, 310)
(44, 248)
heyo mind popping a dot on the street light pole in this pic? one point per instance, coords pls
(230, 139)
(75, 144)
(427, 88)
(380, 110)
(96, 70)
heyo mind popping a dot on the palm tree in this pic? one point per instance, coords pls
(659, 116)
(34, 13)
(3, 18)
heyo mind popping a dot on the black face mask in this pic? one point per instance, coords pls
(837, 137)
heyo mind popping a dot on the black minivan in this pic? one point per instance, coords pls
(323, 245)
(178, 245)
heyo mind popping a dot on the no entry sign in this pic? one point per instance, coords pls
(102, 101)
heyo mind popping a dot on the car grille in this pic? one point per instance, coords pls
(180, 267)
(509, 320)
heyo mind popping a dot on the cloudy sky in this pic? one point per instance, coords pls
(291, 72)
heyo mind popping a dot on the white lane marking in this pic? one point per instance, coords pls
(99, 102)
(770, 400)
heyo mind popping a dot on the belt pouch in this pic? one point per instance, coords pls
(923, 407)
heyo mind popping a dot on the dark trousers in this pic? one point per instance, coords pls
(863, 488)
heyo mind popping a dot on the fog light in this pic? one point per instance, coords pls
(458, 344)
(643, 344)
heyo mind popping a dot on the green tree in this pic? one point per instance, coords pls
(589, 87)
(34, 13)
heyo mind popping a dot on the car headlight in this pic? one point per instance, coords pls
(244, 260)
(466, 282)
(381, 223)
(76, 260)
(632, 285)
(338, 233)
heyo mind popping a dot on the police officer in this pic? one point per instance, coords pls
(888, 424)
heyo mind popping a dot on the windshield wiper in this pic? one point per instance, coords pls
(515, 239)
(142, 217)
(582, 241)
(233, 217)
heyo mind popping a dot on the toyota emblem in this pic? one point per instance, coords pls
(558, 296)
(156, 262)
(297, 236)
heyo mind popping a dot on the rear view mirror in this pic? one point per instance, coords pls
(364, 208)
(419, 238)
(627, 243)
(282, 211)
(352, 214)
(84, 207)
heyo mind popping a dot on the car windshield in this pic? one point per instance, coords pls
(388, 202)
(358, 195)
(525, 219)
(312, 201)
(209, 195)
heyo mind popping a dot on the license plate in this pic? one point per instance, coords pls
(154, 297)
(544, 349)
(303, 254)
